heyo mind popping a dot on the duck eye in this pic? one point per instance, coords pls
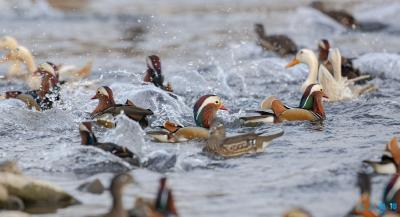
(216, 102)
(98, 92)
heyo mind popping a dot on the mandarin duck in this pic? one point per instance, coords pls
(163, 206)
(45, 96)
(117, 186)
(306, 102)
(20, 55)
(176, 133)
(153, 73)
(234, 146)
(390, 159)
(364, 207)
(311, 107)
(89, 139)
(205, 110)
(280, 44)
(107, 106)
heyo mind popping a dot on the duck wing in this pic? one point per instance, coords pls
(297, 114)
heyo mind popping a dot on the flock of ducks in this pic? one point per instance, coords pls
(331, 77)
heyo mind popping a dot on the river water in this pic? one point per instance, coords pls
(205, 47)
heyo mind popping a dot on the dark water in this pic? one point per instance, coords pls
(205, 48)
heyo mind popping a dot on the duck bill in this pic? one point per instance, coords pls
(223, 108)
(94, 97)
(292, 63)
(325, 96)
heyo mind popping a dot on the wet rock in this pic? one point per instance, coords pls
(94, 187)
(160, 161)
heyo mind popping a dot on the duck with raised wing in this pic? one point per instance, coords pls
(346, 19)
(234, 146)
(19, 55)
(118, 183)
(390, 159)
(107, 106)
(348, 69)
(163, 206)
(44, 97)
(280, 44)
(153, 73)
(265, 116)
(335, 87)
(174, 133)
(89, 139)
(205, 110)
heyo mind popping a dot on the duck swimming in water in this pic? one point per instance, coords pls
(234, 146)
(45, 96)
(174, 133)
(335, 87)
(107, 106)
(153, 73)
(346, 19)
(19, 55)
(280, 44)
(89, 139)
(389, 163)
(205, 110)
(311, 107)
(162, 206)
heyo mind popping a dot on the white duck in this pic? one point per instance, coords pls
(335, 87)
(19, 55)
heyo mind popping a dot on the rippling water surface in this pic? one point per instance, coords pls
(205, 47)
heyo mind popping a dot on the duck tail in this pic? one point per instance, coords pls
(85, 71)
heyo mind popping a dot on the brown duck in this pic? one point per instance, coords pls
(280, 44)
(221, 145)
(116, 189)
(88, 138)
(107, 105)
(154, 75)
(163, 206)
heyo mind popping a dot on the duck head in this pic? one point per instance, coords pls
(12, 94)
(171, 126)
(87, 135)
(217, 133)
(323, 48)
(205, 110)
(259, 29)
(106, 99)
(317, 94)
(165, 203)
(56, 69)
(8, 42)
(153, 73)
(307, 100)
(48, 78)
(305, 56)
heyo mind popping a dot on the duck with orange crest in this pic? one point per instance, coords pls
(205, 110)
(153, 73)
(107, 107)
(44, 97)
(162, 206)
(19, 55)
(266, 116)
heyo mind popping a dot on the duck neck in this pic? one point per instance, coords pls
(323, 55)
(104, 103)
(317, 106)
(88, 138)
(206, 116)
(313, 70)
(118, 205)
